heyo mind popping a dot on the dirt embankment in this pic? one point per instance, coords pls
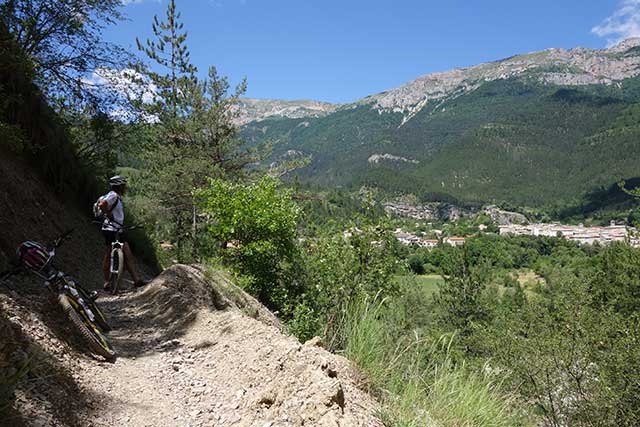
(29, 210)
(194, 350)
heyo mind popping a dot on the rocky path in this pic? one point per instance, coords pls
(191, 357)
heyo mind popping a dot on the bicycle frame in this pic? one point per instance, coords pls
(115, 247)
(117, 259)
(62, 283)
(58, 281)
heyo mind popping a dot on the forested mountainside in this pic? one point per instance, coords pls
(532, 129)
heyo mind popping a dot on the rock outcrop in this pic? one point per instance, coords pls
(572, 67)
(252, 109)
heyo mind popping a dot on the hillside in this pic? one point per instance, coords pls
(532, 129)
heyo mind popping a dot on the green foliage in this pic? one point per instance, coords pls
(190, 132)
(460, 296)
(569, 345)
(96, 141)
(416, 265)
(569, 357)
(339, 269)
(169, 51)
(63, 40)
(256, 227)
(334, 210)
(602, 205)
(306, 321)
(566, 345)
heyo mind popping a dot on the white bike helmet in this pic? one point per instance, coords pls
(117, 180)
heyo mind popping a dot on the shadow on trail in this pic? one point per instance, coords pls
(48, 387)
(147, 320)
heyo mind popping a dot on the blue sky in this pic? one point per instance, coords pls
(340, 51)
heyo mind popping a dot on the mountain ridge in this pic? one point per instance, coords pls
(573, 67)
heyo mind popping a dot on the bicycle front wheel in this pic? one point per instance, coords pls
(101, 320)
(97, 341)
(117, 264)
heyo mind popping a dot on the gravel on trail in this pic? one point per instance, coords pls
(194, 350)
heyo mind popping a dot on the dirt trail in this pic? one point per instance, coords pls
(196, 351)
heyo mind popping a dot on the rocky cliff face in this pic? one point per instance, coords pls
(260, 109)
(574, 67)
(530, 129)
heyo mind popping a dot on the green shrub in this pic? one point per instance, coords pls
(256, 227)
(338, 269)
(305, 322)
(416, 264)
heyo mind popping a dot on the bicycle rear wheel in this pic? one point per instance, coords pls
(117, 264)
(96, 340)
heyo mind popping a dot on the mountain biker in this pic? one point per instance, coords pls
(112, 227)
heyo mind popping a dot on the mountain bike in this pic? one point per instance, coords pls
(78, 303)
(116, 260)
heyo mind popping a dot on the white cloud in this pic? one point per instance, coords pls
(127, 85)
(127, 82)
(623, 24)
(127, 2)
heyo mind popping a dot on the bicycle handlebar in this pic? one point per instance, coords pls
(60, 239)
(122, 227)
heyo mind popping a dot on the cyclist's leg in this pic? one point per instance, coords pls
(109, 237)
(129, 263)
(105, 264)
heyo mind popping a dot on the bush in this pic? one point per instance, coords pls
(338, 269)
(255, 225)
(416, 265)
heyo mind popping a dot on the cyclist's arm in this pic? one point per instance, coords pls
(104, 207)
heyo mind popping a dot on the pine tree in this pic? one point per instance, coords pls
(171, 104)
(193, 121)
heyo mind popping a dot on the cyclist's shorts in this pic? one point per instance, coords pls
(110, 236)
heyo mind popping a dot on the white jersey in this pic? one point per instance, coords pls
(114, 204)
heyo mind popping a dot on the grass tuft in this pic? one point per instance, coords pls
(417, 380)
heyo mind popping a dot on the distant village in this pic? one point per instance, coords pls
(577, 233)
(413, 239)
(508, 225)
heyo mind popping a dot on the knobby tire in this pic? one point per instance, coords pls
(97, 341)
